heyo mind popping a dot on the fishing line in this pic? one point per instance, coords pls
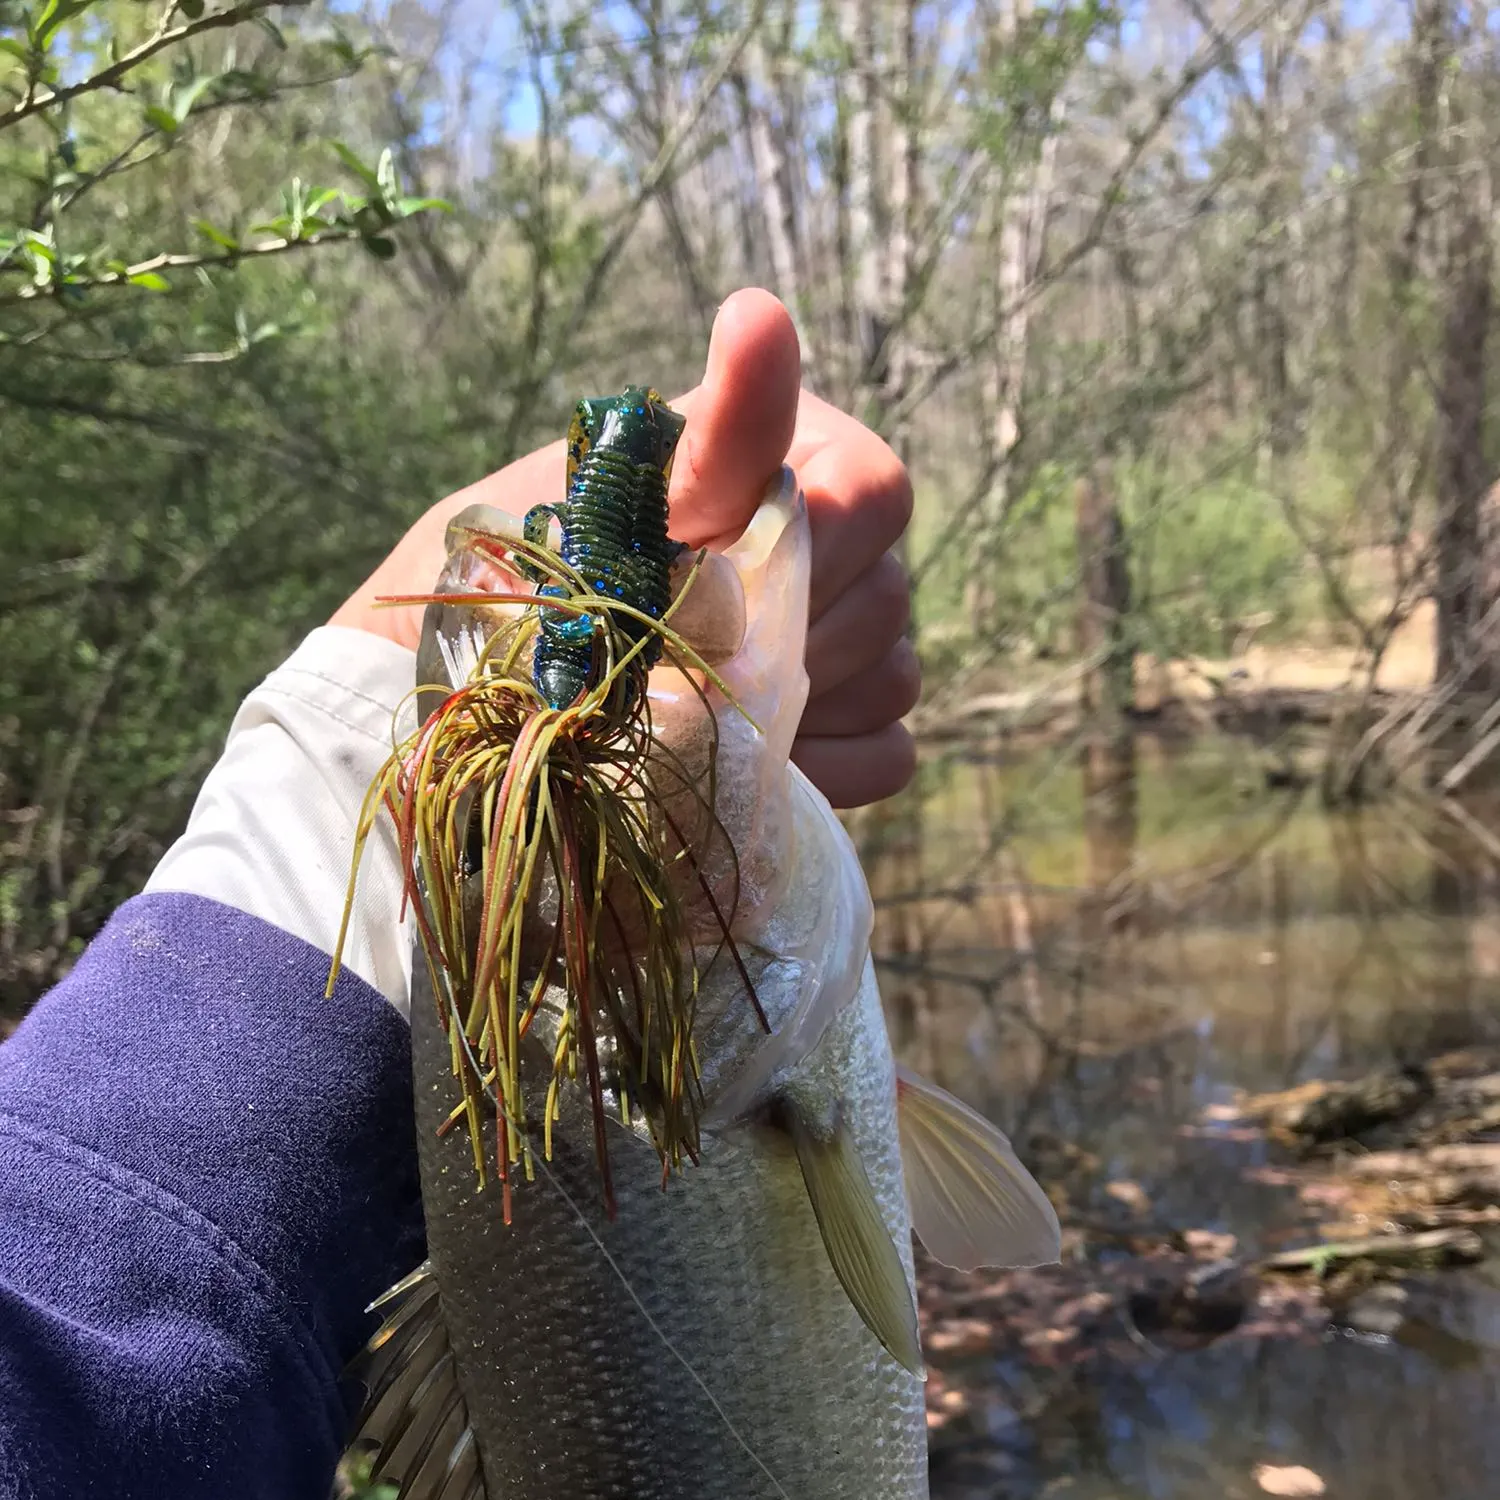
(614, 1265)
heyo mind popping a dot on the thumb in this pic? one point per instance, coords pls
(740, 420)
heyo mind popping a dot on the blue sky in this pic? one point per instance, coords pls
(489, 46)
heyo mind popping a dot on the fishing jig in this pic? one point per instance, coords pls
(614, 534)
(549, 878)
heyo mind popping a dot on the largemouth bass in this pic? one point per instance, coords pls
(745, 1328)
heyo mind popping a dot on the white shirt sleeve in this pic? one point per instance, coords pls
(272, 831)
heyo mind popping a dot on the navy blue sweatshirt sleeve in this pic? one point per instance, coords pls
(207, 1172)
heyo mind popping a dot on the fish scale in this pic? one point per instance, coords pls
(581, 1396)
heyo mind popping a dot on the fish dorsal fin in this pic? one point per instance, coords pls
(414, 1414)
(972, 1202)
(855, 1235)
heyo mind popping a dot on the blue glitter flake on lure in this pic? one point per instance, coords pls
(614, 533)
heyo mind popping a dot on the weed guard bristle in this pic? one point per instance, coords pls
(581, 876)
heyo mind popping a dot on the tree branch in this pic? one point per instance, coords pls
(111, 77)
(181, 261)
(1197, 69)
(660, 169)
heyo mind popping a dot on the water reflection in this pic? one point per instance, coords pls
(1111, 826)
(1093, 947)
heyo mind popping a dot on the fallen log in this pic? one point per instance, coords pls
(1432, 1247)
(1322, 1112)
(1396, 1166)
(1472, 1189)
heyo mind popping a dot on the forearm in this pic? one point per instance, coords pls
(207, 1168)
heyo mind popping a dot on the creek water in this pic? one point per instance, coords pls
(1097, 952)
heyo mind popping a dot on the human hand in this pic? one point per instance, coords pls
(747, 418)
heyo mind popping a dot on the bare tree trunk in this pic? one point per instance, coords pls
(1022, 218)
(906, 162)
(1343, 288)
(1448, 122)
(1270, 263)
(768, 149)
(538, 234)
(1430, 45)
(1108, 689)
(1464, 658)
(1008, 368)
(857, 21)
(660, 116)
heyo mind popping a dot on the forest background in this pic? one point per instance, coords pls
(1180, 310)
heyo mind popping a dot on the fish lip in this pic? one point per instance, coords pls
(823, 989)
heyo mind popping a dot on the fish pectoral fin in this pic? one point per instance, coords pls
(414, 1413)
(972, 1202)
(854, 1233)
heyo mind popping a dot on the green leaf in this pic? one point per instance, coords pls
(151, 281)
(380, 246)
(192, 9)
(365, 174)
(19, 50)
(40, 26)
(408, 206)
(54, 14)
(164, 120)
(318, 200)
(186, 95)
(219, 236)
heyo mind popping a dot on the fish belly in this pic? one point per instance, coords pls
(698, 1346)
